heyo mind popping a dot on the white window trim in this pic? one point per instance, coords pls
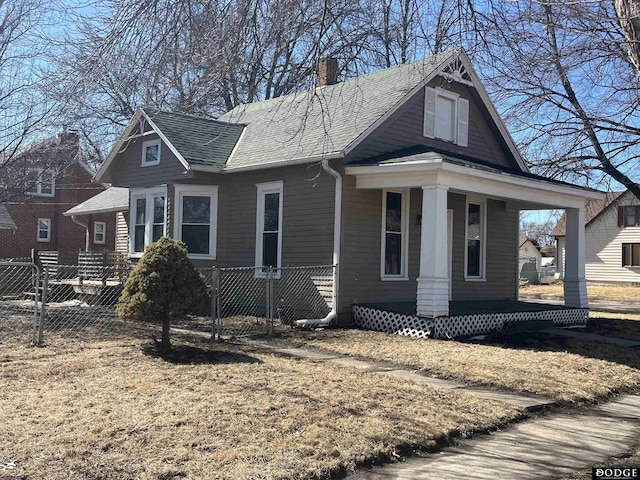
(145, 145)
(483, 240)
(148, 194)
(262, 190)
(38, 185)
(104, 233)
(47, 221)
(210, 191)
(404, 232)
(457, 100)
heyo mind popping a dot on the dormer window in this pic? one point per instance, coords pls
(41, 183)
(150, 153)
(446, 116)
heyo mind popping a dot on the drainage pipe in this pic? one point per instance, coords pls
(337, 223)
(86, 227)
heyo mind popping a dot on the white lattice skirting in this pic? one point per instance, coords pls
(369, 318)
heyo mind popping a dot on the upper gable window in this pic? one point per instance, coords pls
(630, 216)
(150, 153)
(446, 116)
(41, 182)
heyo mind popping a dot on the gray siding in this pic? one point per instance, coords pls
(307, 224)
(361, 251)
(404, 129)
(129, 172)
(502, 253)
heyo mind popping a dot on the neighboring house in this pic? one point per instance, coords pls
(110, 202)
(37, 214)
(529, 252)
(548, 255)
(612, 239)
(406, 178)
(6, 221)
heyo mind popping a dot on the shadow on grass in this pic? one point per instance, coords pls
(615, 327)
(539, 341)
(181, 354)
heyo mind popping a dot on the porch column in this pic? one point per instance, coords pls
(433, 282)
(575, 285)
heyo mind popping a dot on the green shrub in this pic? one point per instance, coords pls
(164, 285)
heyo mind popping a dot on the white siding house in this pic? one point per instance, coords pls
(612, 240)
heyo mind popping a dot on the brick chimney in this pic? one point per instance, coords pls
(327, 71)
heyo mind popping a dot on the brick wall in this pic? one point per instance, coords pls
(71, 188)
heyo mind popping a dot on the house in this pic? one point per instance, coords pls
(612, 239)
(6, 221)
(529, 252)
(56, 179)
(406, 178)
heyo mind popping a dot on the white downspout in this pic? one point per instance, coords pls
(337, 223)
(86, 227)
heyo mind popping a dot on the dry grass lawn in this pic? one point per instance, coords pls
(621, 325)
(547, 370)
(595, 292)
(107, 410)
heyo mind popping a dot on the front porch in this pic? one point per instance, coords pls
(465, 317)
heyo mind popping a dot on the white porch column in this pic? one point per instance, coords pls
(433, 282)
(575, 285)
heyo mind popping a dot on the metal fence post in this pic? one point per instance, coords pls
(269, 301)
(218, 311)
(214, 302)
(43, 306)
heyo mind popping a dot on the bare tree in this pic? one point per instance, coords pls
(25, 115)
(565, 84)
(628, 12)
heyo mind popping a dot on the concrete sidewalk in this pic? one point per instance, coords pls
(550, 446)
(547, 447)
(526, 402)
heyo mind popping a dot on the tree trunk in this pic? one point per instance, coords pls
(165, 346)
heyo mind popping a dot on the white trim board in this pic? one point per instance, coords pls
(463, 179)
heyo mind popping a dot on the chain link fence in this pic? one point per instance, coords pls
(20, 303)
(250, 301)
(79, 302)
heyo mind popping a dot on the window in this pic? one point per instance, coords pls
(269, 225)
(196, 215)
(99, 232)
(150, 153)
(395, 225)
(40, 182)
(148, 213)
(631, 254)
(44, 230)
(446, 116)
(629, 216)
(475, 239)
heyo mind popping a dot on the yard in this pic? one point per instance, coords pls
(568, 371)
(110, 410)
(618, 293)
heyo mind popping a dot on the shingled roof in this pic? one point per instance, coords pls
(114, 199)
(200, 141)
(6, 222)
(325, 120)
(592, 209)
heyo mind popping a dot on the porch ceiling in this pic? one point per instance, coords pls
(521, 191)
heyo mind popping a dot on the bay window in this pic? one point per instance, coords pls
(148, 214)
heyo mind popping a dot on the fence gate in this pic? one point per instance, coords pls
(251, 301)
(21, 306)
